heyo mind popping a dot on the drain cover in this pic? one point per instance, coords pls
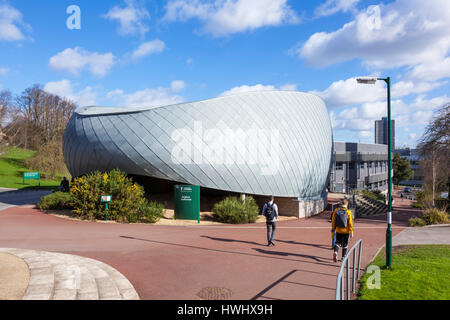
(214, 293)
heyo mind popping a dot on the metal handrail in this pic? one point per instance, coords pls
(345, 264)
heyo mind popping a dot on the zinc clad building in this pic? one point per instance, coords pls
(258, 143)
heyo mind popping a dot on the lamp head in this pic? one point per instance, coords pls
(366, 80)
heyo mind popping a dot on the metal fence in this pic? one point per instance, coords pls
(346, 265)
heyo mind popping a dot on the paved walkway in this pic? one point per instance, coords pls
(57, 276)
(15, 197)
(437, 234)
(184, 262)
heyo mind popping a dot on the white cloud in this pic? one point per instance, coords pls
(131, 18)
(75, 60)
(4, 71)
(331, 7)
(222, 18)
(148, 48)
(404, 88)
(177, 85)
(348, 92)
(149, 97)
(257, 87)
(431, 71)
(10, 20)
(63, 88)
(412, 33)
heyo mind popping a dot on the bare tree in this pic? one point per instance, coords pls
(37, 121)
(434, 147)
(5, 106)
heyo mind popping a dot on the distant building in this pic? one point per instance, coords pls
(381, 132)
(360, 166)
(413, 156)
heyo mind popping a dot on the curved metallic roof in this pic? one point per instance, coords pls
(268, 142)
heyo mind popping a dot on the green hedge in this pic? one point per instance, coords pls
(434, 216)
(128, 200)
(430, 216)
(416, 222)
(152, 211)
(55, 201)
(234, 210)
(418, 205)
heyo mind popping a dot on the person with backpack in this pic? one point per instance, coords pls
(342, 223)
(270, 211)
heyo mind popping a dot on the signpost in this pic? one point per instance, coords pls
(31, 175)
(106, 200)
(187, 202)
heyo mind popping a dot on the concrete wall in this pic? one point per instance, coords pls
(297, 208)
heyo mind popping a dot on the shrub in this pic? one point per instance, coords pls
(418, 205)
(152, 211)
(127, 196)
(234, 210)
(434, 216)
(416, 222)
(57, 200)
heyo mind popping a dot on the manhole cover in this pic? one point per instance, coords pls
(214, 293)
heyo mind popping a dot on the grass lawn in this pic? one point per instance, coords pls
(418, 273)
(12, 167)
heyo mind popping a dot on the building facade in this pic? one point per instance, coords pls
(258, 143)
(381, 132)
(413, 157)
(359, 166)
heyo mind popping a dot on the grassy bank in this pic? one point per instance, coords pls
(12, 167)
(418, 273)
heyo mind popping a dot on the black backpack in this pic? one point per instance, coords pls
(340, 218)
(270, 212)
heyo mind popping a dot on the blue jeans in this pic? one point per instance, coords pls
(270, 225)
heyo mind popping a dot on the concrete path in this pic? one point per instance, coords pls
(15, 197)
(203, 262)
(56, 276)
(437, 234)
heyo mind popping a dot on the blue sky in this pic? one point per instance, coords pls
(143, 53)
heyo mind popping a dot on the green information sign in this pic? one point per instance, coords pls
(187, 202)
(32, 175)
(106, 199)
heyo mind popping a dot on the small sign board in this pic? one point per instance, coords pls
(187, 202)
(32, 175)
(105, 198)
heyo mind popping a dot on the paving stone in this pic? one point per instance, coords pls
(55, 276)
(129, 294)
(44, 278)
(65, 294)
(40, 289)
(87, 296)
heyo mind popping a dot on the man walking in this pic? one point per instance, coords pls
(270, 211)
(343, 225)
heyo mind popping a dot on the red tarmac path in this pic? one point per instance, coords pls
(173, 262)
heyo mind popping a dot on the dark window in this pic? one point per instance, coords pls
(339, 166)
(351, 165)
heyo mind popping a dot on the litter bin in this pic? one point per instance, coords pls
(187, 202)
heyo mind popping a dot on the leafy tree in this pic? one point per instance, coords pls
(402, 169)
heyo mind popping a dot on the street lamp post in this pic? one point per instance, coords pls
(389, 216)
